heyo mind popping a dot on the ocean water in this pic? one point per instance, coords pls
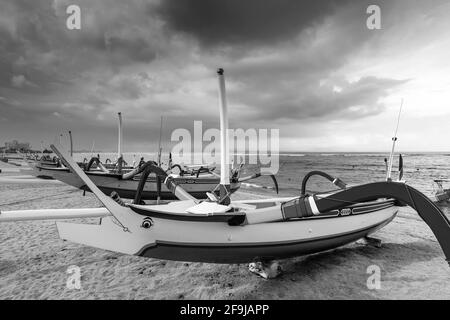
(419, 170)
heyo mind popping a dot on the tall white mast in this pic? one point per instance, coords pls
(224, 143)
(394, 141)
(119, 147)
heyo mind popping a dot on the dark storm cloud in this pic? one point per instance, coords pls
(244, 22)
(354, 100)
(276, 54)
(319, 102)
(296, 80)
(35, 44)
(285, 62)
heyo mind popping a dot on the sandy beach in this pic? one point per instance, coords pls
(34, 262)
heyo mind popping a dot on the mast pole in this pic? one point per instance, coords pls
(119, 146)
(92, 148)
(394, 141)
(159, 145)
(158, 178)
(224, 187)
(71, 143)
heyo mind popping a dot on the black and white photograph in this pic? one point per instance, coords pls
(240, 152)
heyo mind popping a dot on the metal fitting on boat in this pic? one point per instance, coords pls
(339, 183)
(147, 223)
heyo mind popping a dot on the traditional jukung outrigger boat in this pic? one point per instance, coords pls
(196, 181)
(126, 183)
(124, 180)
(222, 231)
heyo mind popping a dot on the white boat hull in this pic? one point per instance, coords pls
(218, 242)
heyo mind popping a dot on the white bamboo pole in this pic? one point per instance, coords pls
(159, 144)
(52, 214)
(119, 143)
(224, 141)
(394, 141)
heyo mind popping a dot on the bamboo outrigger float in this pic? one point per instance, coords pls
(218, 230)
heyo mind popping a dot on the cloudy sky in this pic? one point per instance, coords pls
(310, 68)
